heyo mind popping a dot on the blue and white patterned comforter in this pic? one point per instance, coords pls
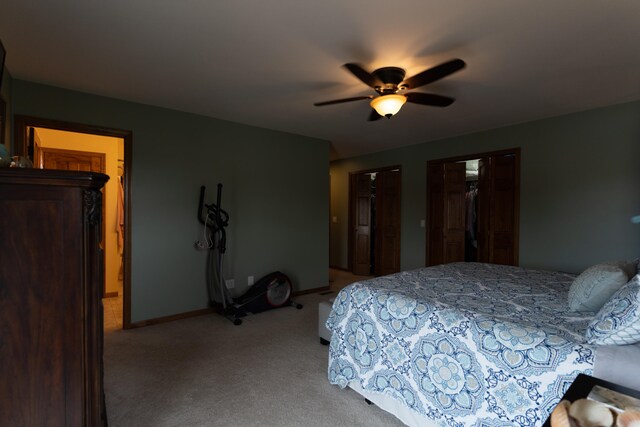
(463, 344)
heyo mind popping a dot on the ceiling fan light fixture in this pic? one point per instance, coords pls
(388, 105)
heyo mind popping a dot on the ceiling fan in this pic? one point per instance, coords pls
(391, 85)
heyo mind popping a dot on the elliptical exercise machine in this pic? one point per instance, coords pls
(272, 291)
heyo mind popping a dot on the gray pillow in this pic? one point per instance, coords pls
(595, 286)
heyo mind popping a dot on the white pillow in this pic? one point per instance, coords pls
(618, 322)
(594, 286)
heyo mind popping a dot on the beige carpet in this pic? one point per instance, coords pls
(204, 371)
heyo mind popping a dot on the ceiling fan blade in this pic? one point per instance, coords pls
(340, 101)
(433, 74)
(429, 99)
(362, 74)
(374, 116)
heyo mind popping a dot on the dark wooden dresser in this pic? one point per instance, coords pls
(51, 281)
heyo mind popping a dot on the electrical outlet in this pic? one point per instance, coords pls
(230, 283)
(250, 280)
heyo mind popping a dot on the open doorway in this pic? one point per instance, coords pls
(59, 145)
(374, 221)
(473, 208)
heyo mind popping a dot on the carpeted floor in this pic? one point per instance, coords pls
(204, 371)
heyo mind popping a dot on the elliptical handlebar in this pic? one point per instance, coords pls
(215, 221)
(201, 205)
(218, 204)
(221, 217)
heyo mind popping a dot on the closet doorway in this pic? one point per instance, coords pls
(374, 221)
(51, 144)
(473, 208)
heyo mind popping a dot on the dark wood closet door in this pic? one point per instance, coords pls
(454, 214)
(497, 209)
(387, 222)
(362, 225)
(446, 207)
(504, 202)
(483, 203)
(435, 212)
(498, 200)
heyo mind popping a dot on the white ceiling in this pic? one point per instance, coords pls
(265, 62)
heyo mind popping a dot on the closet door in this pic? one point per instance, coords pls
(435, 213)
(497, 208)
(504, 203)
(387, 222)
(483, 203)
(454, 213)
(498, 201)
(362, 224)
(446, 208)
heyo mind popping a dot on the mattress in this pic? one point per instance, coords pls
(461, 344)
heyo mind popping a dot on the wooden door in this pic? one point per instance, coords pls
(34, 143)
(446, 207)
(435, 213)
(362, 224)
(387, 220)
(483, 211)
(504, 203)
(55, 158)
(497, 208)
(454, 213)
(72, 160)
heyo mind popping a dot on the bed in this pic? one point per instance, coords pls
(463, 344)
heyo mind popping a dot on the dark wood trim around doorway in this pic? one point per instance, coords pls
(21, 123)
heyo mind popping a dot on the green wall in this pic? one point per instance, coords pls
(275, 190)
(579, 187)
